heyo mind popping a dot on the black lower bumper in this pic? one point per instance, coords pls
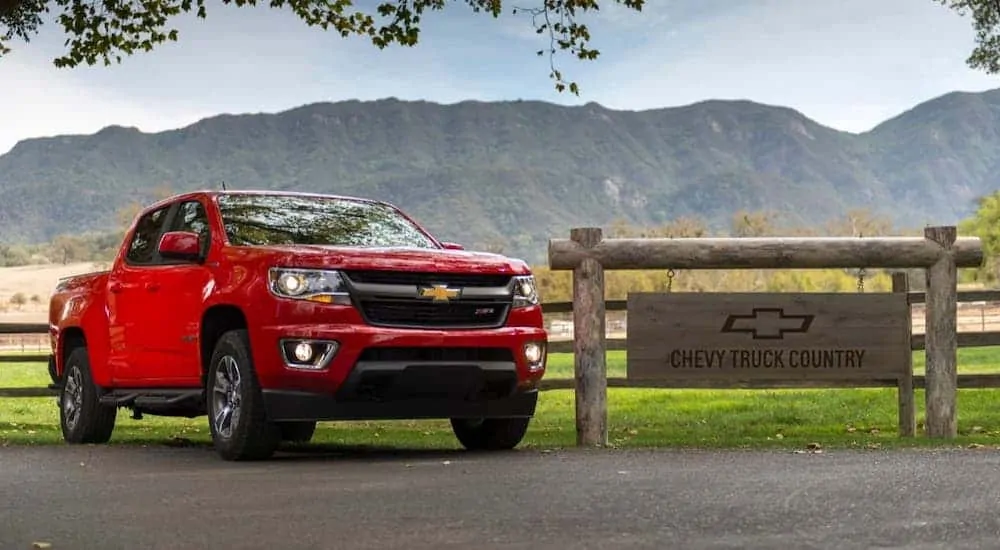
(295, 405)
(401, 390)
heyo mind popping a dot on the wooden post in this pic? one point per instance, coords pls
(907, 404)
(941, 339)
(589, 344)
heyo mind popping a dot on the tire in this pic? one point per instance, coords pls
(490, 434)
(297, 432)
(82, 417)
(236, 416)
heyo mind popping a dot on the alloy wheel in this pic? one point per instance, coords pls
(226, 396)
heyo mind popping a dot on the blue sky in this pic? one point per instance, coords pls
(848, 64)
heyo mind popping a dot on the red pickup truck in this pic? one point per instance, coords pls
(270, 311)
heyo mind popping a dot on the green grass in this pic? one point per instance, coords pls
(838, 418)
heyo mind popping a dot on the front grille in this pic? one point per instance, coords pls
(413, 313)
(427, 279)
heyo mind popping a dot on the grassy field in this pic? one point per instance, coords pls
(861, 418)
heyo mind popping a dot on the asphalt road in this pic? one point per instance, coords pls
(101, 498)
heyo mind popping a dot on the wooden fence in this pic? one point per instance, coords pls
(940, 252)
(36, 357)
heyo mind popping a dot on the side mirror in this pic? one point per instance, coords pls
(180, 245)
(452, 246)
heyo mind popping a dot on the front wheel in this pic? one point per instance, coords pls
(82, 417)
(490, 434)
(236, 416)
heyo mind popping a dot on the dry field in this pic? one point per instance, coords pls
(33, 281)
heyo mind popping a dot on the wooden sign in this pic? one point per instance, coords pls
(746, 336)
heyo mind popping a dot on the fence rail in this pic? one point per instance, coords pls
(965, 339)
(24, 328)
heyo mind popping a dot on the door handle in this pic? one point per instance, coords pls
(115, 288)
(152, 287)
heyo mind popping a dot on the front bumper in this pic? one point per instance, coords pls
(390, 382)
(426, 360)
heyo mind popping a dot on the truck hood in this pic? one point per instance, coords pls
(386, 259)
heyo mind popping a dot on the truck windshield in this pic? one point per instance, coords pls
(256, 220)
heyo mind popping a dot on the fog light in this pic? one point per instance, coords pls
(304, 352)
(533, 352)
(308, 354)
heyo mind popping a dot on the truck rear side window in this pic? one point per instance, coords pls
(255, 220)
(142, 249)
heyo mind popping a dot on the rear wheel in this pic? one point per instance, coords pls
(82, 417)
(490, 434)
(236, 416)
(297, 431)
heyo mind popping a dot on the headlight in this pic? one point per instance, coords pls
(315, 285)
(525, 293)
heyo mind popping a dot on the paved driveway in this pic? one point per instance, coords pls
(178, 498)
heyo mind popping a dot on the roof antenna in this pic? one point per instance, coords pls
(223, 185)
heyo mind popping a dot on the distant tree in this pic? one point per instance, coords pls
(985, 224)
(127, 214)
(496, 245)
(105, 30)
(18, 300)
(986, 24)
(13, 256)
(753, 224)
(68, 248)
(860, 222)
(682, 227)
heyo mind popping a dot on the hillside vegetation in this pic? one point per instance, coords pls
(510, 175)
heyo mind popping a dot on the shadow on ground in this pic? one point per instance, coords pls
(332, 451)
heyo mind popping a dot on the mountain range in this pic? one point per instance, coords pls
(516, 173)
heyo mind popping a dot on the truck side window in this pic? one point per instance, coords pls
(191, 217)
(142, 249)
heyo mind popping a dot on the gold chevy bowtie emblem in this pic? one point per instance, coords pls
(439, 293)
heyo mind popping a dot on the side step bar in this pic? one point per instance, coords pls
(138, 398)
(187, 402)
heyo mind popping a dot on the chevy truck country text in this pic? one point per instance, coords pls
(270, 311)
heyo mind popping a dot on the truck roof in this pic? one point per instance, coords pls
(213, 193)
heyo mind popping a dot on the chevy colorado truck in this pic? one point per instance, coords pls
(269, 311)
